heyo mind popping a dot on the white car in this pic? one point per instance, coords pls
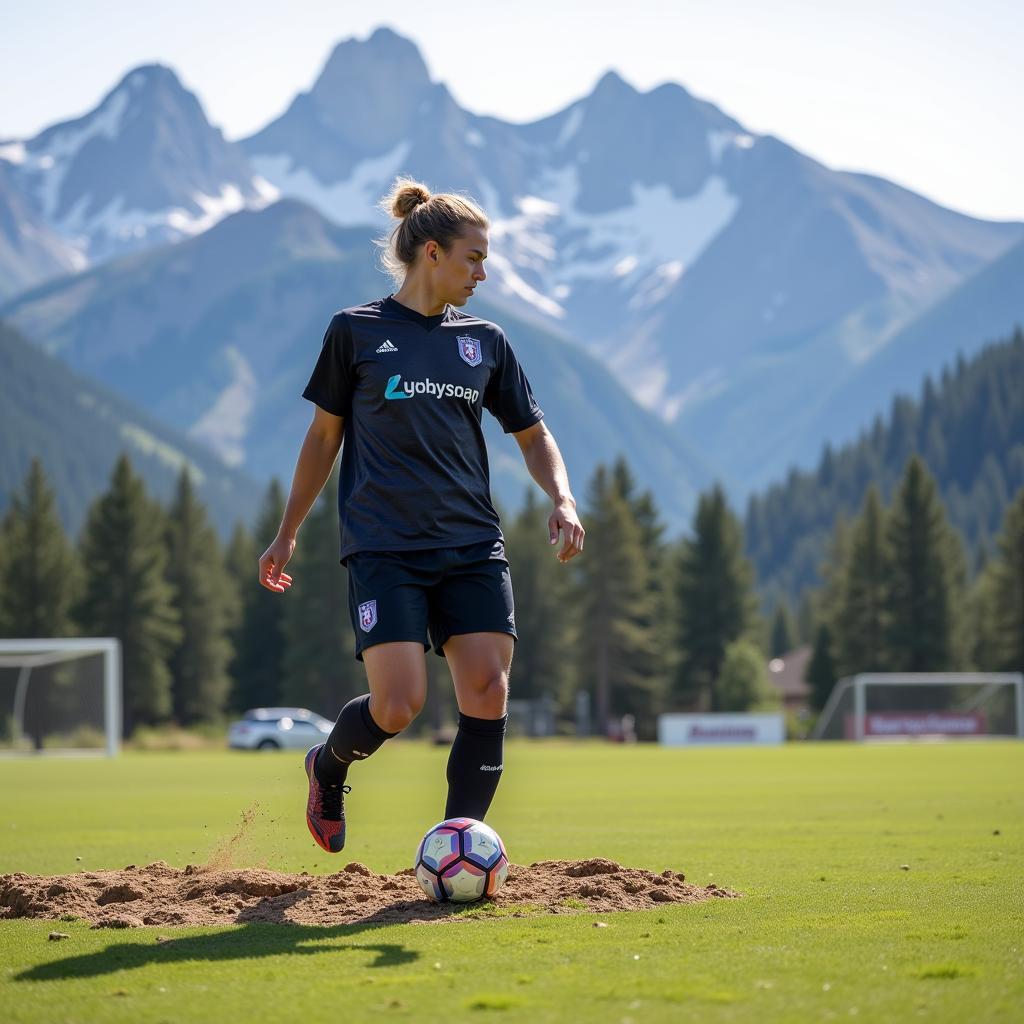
(279, 729)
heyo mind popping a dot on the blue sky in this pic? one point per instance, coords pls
(926, 94)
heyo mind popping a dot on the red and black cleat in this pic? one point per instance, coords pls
(325, 810)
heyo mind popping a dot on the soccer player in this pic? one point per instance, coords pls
(404, 381)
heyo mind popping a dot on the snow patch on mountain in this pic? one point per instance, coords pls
(571, 125)
(266, 192)
(656, 285)
(625, 266)
(656, 226)
(347, 202)
(13, 152)
(119, 225)
(548, 246)
(56, 155)
(511, 283)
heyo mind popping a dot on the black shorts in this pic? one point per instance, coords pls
(429, 596)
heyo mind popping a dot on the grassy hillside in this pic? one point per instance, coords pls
(78, 428)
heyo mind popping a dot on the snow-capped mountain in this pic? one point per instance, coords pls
(733, 285)
(724, 276)
(144, 167)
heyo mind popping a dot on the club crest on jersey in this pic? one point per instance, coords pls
(469, 349)
(367, 615)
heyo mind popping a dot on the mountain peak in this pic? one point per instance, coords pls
(383, 37)
(612, 84)
(369, 94)
(147, 81)
(384, 61)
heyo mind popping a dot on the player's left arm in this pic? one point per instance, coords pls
(544, 461)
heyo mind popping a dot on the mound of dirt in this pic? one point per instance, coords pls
(158, 894)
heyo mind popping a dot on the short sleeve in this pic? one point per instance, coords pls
(330, 386)
(508, 396)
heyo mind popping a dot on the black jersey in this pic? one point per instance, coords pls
(412, 388)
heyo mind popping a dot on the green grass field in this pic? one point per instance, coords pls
(831, 926)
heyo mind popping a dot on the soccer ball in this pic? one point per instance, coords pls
(462, 860)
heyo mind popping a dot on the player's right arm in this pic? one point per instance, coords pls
(316, 457)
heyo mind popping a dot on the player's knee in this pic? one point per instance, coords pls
(397, 711)
(492, 693)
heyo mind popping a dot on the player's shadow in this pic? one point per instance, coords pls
(248, 942)
(265, 931)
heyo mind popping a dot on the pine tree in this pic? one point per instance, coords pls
(614, 605)
(806, 626)
(39, 580)
(821, 669)
(716, 603)
(982, 622)
(320, 670)
(1008, 590)
(968, 429)
(203, 597)
(126, 594)
(660, 616)
(859, 625)
(783, 638)
(542, 663)
(922, 578)
(240, 561)
(257, 669)
(41, 577)
(829, 597)
(743, 683)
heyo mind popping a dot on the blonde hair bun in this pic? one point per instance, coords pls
(442, 217)
(405, 196)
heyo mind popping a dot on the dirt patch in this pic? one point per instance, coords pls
(158, 894)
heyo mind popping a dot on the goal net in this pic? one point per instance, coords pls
(60, 695)
(891, 705)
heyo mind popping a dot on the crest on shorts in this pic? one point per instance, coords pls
(367, 615)
(469, 349)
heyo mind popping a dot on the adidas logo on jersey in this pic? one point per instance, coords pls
(388, 347)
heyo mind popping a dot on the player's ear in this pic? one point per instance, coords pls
(430, 251)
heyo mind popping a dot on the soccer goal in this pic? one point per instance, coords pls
(60, 695)
(894, 705)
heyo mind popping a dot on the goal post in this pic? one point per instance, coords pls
(73, 698)
(901, 705)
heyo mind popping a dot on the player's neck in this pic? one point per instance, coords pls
(417, 294)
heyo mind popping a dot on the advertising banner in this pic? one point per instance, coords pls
(918, 723)
(720, 730)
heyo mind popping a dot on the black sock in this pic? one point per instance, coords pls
(474, 766)
(355, 736)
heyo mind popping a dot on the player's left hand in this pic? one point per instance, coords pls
(564, 519)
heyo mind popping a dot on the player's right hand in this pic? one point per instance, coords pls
(273, 561)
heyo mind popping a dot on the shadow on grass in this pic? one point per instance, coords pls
(265, 931)
(250, 941)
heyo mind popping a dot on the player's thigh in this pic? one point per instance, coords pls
(387, 598)
(474, 595)
(480, 665)
(397, 677)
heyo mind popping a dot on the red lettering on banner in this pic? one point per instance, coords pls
(918, 723)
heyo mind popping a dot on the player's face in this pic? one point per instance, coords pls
(460, 269)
